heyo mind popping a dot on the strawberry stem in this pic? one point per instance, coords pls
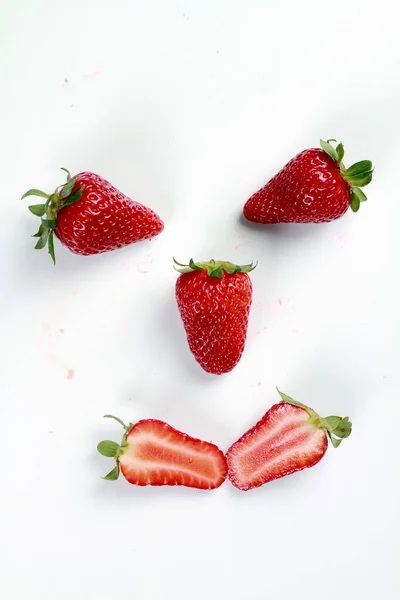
(48, 212)
(213, 267)
(116, 419)
(114, 450)
(337, 428)
(112, 475)
(357, 176)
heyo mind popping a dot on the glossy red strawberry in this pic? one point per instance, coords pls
(313, 187)
(290, 437)
(154, 453)
(89, 216)
(214, 300)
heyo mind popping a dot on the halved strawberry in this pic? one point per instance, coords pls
(290, 437)
(154, 453)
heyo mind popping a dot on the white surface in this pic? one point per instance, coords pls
(189, 107)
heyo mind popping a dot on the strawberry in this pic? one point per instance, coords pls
(214, 300)
(89, 216)
(290, 437)
(313, 187)
(154, 453)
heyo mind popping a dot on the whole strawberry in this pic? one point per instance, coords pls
(313, 187)
(214, 300)
(89, 216)
(289, 437)
(154, 453)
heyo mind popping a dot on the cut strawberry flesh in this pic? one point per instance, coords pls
(158, 454)
(281, 443)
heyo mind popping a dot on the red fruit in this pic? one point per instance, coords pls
(313, 187)
(214, 301)
(89, 216)
(290, 437)
(154, 453)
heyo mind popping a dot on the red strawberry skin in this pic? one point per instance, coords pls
(309, 189)
(104, 218)
(157, 454)
(282, 442)
(215, 315)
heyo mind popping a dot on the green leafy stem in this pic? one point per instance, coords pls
(337, 428)
(114, 450)
(49, 210)
(214, 268)
(357, 176)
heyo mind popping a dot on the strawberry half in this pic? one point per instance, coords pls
(290, 437)
(313, 187)
(154, 453)
(214, 300)
(89, 216)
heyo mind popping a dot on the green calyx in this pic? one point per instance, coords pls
(337, 428)
(357, 176)
(214, 268)
(114, 450)
(49, 210)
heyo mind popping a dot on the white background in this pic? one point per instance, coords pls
(189, 107)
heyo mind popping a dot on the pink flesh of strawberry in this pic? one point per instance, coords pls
(281, 443)
(158, 454)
